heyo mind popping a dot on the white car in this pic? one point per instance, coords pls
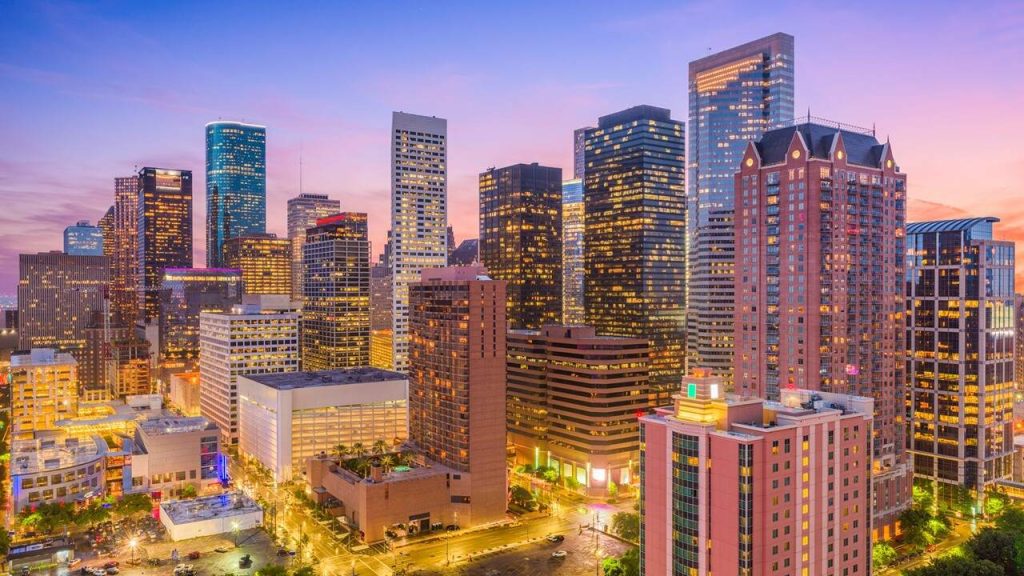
(559, 554)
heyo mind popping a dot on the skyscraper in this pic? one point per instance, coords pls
(106, 226)
(83, 239)
(457, 333)
(579, 149)
(164, 232)
(380, 316)
(336, 303)
(303, 212)
(521, 240)
(244, 340)
(57, 295)
(735, 95)
(634, 239)
(124, 280)
(960, 354)
(265, 261)
(788, 492)
(819, 282)
(44, 390)
(573, 257)
(419, 212)
(236, 184)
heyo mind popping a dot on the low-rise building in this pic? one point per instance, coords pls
(210, 515)
(172, 453)
(287, 418)
(44, 389)
(52, 468)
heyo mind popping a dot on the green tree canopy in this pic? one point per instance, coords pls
(626, 525)
(996, 546)
(957, 566)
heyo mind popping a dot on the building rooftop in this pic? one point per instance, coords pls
(40, 357)
(209, 507)
(176, 425)
(958, 225)
(634, 114)
(54, 453)
(293, 380)
(862, 149)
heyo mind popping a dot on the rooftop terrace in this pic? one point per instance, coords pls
(293, 380)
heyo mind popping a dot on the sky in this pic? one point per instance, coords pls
(89, 92)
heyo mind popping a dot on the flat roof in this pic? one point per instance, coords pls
(54, 453)
(209, 507)
(179, 425)
(293, 380)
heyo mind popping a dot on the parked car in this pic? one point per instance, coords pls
(111, 564)
(193, 555)
(245, 561)
(559, 554)
(112, 570)
(555, 538)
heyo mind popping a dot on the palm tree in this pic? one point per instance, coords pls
(362, 467)
(358, 449)
(341, 451)
(380, 446)
(387, 461)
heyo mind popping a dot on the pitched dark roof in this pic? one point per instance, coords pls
(861, 149)
(958, 225)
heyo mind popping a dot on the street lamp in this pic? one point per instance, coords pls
(132, 545)
(234, 529)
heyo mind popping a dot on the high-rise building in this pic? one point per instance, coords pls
(164, 232)
(336, 299)
(57, 295)
(573, 256)
(579, 152)
(468, 252)
(960, 355)
(115, 362)
(634, 236)
(130, 371)
(457, 331)
(83, 239)
(819, 282)
(380, 316)
(265, 261)
(735, 96)
(789, 492)
(44, 390)
(186, 293)
(303, 212)
(1018, 303)
(245, 340)
(124, 279)
(236, 185)
(573, 400)
(450, 239)
(419, 212)
(521, 240)
(106, 226)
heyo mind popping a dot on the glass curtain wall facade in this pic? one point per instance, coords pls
(236, 185)
(164, 232)
(303, 212)
(573, 229)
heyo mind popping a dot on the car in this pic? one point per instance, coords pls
(220, 549)
(111, 564)
(112, 570)
(451, 527)
(74, 563)
(193, 555)
(555, 538)
(559, 554)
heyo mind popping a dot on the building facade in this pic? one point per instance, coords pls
(419, 212)
(57, 296)
(265, 261)
(521, 240)
(170, 454)
(303, 212)
(573, 400)
(960, 354)
(83, 239)
(579, 154)
(789, 492)
(186, 293)
(124, 266)
(819, 282)
(44, 390)
(236, 185)
(573, 254)
(106, 226)
(286, 419)
(457, 330)
(381, 285)
(634, 238)
(244, 340)
(336, 299)
(735, 96)
(164, 233)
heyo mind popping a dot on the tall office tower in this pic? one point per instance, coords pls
(1018, 303)
(57, 294)
(236, 185)
(467, 253)
(735, 96)
(185, 293)
(94, 362)
(450, 239)
(819, 282)
(124, 279)
(960, 355)
(248, 339)
(457, 331)
(521, 240)
(634, 236)
(129, 370)
(573, 400)
(380, 316)
(303, 212)
(579, 148)
(336, 303)
(265, 261)
(44, 389)
(573, 257)
(106, 226)
(419, 212)
(789, 492)
(83, 239)
(164, 231)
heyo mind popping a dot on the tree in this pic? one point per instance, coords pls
(1011, 519)
(47, 518)
(359, 449)
(626, 525)
(997, 547)
(132, 504)
(188, 491)
(521, 497)
(380, 447)
(304, 571)
(956, 566)
(924, 495)
(995, 503)
(613, 489)
(630, 561)
(914, 523)
(612, 567)
(340, 450)
(882, 555)
(92, 514)
(272, 570)
(550, 475)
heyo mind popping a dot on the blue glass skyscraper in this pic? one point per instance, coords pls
(236, 184)
(83, 239)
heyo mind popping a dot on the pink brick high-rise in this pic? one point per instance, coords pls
(788, 493)
(820, 217)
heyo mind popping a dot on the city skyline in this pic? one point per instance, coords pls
(55, 59)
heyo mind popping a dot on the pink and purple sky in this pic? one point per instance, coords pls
(90, 91)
